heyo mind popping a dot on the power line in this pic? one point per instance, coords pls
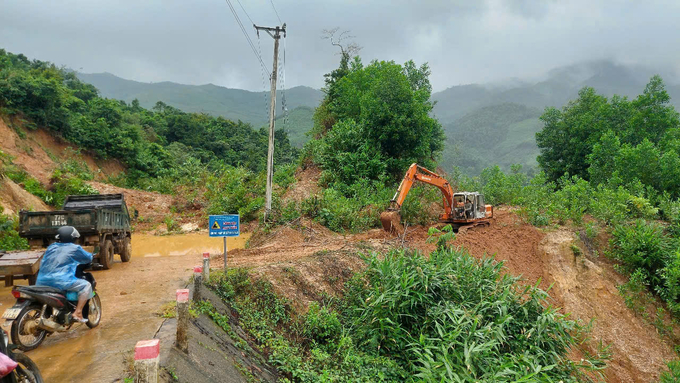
(250, 42)
(277, 14)
(244, 11)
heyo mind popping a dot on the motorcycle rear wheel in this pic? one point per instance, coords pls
(18, 331)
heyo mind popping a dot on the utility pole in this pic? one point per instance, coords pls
(275, 33)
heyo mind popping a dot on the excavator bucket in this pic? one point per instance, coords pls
(391, 222)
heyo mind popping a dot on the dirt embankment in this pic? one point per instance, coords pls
(582, 285)
(40, 152)
(586, 286)
(304, 261)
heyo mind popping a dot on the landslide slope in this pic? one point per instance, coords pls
(39, 153)
(303, 261)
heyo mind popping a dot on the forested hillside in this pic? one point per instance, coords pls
(460, 109)
(232, 104)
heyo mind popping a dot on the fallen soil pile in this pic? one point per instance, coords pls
(152, 211)
(306, 185)
(148, 209)
(14, 198)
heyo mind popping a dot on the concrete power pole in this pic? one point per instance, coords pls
(276, 35)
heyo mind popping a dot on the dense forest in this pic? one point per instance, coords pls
(152, 143)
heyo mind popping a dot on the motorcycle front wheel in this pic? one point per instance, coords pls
(27, 371)
(94, 316)
(25, 332)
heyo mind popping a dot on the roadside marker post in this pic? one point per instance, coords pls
(206, 267)
(225, 225)
(147, 355)
(183, 320)
(198, 281)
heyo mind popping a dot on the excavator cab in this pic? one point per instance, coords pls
(469, 206)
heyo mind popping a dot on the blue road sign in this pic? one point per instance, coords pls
(227, 225)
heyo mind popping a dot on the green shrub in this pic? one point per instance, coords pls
(673, 373)
(635, 293)
(454, 318)
(9, 236)
(670, 289)
(235, 190)
(321, 324)
(500, 188)
(356, 209)
(642, 245)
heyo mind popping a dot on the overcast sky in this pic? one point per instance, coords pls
(199, 41)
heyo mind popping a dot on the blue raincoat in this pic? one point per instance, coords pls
(58, 266)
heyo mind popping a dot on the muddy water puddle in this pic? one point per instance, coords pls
(147, 246)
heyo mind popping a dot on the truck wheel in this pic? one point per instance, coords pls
(106, 255)
(126, 251)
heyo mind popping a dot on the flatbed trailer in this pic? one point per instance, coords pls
(20, 265)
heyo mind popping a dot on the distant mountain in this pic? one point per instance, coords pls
(233, 104)
(503, 118)
(297, 124)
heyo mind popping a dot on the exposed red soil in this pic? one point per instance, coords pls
(304, 260)
(306, 184)
(41, 152)
(511, 240)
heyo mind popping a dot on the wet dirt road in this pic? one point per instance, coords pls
(132, 294)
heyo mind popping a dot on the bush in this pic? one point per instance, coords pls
(321, 324)
(673, 373)
(642, 245)
(234, 190)
(454, 318)
(354, 209)
(9, 236)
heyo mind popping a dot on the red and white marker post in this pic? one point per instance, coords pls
(147, 356)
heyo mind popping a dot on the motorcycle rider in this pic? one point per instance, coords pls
(58, 268)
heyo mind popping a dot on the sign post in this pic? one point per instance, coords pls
(225, 225)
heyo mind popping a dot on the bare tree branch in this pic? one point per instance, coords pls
(342, 40)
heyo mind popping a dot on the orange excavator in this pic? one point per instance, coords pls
(460, 209)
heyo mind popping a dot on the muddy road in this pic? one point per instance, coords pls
(132, 294)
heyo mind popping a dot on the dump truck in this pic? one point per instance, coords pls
(459, 208)
(102, 220)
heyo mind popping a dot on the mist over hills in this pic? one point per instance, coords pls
(484, 124)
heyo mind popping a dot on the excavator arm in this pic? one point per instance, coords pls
(419, 173)
(391, 219)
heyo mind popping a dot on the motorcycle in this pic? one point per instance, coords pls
(25, 371)
(41, 311)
